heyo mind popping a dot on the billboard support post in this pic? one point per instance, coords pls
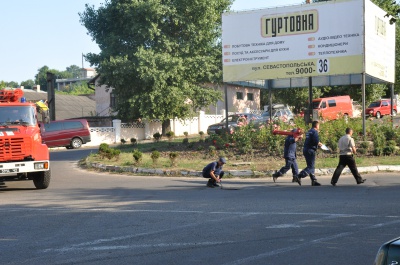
(363, 103)
(226, 107)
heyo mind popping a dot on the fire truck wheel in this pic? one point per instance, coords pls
(76, 143)
(41, 179)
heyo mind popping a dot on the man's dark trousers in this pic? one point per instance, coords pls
(346, 160)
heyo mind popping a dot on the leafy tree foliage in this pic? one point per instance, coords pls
(156, 54)
(80, 88)
(28, 84)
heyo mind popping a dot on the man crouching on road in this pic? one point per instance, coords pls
(214, 172)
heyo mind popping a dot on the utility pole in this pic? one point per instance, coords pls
(51, 98)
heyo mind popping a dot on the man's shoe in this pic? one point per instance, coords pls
(315, 183)
(333, 183)
(215, 184)
(297, 179)
(210, 184)
(275, 176)
(361, 181)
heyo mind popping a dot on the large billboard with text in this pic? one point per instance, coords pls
(295, 41)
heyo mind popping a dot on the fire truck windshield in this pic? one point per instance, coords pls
(17, 115)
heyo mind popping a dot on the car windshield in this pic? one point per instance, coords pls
(315, 104)
(15, 115)
(374, 104)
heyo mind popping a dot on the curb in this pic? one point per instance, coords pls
(229, 173)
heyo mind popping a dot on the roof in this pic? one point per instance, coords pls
(67, 106)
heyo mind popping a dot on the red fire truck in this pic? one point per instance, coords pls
(23, 156)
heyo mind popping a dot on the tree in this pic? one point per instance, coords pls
(158, 54)
(12, 84)
(73, 71)
(28, 84)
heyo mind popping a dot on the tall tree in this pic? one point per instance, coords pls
(28, 84)
(158, 53)
(41, 76)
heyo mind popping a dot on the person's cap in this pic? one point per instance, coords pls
(222, 160)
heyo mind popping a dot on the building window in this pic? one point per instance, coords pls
(112, 100)
(239, 95)
(250, 96)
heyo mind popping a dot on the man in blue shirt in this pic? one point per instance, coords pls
(214, 172)
(289, 153)
(311, 145)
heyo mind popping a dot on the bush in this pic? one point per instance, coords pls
(137, 155)
(157, 136)
(365, 145)
(186, 134)
(201, 134)
(133, 141)
(123, 141)
(388, 150)
(172, 157)
(185, 141)
(155, 155)
(212, 151)
(106, 152)
(170, 135)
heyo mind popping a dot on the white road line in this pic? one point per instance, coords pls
(305, 244)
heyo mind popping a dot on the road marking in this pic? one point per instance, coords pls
(305, 244)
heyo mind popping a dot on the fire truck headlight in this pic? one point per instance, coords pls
(41, 165)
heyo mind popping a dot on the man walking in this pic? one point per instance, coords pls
(311, 145)
(346, 158)
(289, 153)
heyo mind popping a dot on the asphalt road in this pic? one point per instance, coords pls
(100, 218)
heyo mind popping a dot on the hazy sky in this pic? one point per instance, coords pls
(48, 32)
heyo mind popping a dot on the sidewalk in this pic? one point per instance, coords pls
(230, 173)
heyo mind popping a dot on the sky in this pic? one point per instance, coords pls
(48, 32)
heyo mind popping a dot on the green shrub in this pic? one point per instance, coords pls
(157, 136)
(172, 157)
(185, 141)
(170, 135)
(137, 155)
(123, 141)
(186, 134)
(388, 150)
(212, 151)
(378, 151)
(365, 145)
(155, 155)
(201, 134)
(133, 141)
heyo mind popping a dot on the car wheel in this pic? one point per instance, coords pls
(378, 115)
(76, 143)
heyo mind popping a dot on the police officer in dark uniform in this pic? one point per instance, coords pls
(311, 145)
(289, 153)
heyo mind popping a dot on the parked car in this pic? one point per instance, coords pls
(389, 253)
(330, 108)
(68, 133)
(279, 112)
(234, 121)
(380, 108)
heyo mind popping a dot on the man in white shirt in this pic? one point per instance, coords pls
(347, 151)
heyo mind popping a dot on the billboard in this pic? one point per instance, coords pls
(380, 42)
(306, 40)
